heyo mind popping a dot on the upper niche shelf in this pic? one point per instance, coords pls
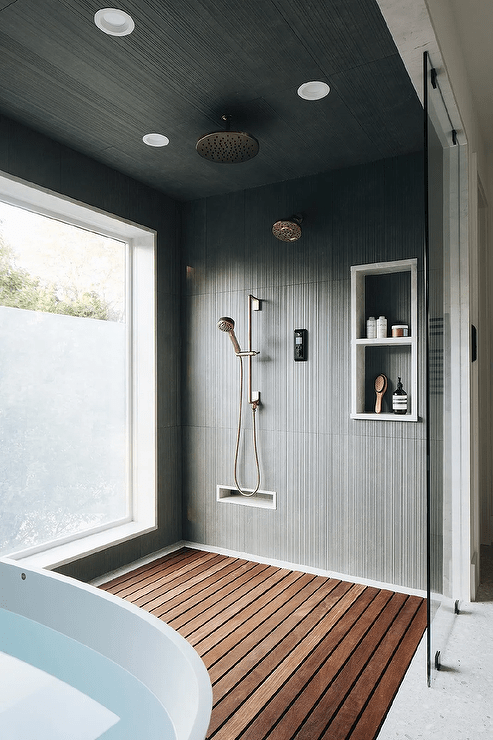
(385, 342)
(389, 289)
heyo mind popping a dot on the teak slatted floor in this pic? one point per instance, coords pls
(289, 654)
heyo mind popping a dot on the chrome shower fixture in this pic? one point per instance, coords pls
(227, 147)
(288, 230)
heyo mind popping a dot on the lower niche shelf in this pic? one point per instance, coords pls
(260, 500)
(384, 416)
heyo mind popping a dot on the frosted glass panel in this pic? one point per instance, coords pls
(63, 380)
(62, 426)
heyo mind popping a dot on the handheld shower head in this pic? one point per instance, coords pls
(228, 325)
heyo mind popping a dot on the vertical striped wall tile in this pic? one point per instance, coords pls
(350, 492)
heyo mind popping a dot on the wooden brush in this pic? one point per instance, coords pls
(380, 388)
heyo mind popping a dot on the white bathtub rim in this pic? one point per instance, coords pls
(198, 691)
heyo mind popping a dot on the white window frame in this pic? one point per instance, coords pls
(142, 361)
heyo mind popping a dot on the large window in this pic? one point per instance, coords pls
(77, 379)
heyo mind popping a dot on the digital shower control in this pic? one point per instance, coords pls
(300, 344)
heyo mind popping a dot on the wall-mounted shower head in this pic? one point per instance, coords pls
(227, 147)
(227, 324)
(288, 230)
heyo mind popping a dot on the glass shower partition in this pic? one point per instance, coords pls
(442, 199)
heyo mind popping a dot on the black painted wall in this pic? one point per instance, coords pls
(37, 159)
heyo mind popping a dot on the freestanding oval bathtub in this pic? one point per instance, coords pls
(77, 662)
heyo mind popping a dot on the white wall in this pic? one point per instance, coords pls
(433, 25)
(419, 25)
(451, 33)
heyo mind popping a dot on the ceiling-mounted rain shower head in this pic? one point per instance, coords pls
(227, 324)
(227, 147)
(288, 230)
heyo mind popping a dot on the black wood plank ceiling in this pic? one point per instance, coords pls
(190, 61)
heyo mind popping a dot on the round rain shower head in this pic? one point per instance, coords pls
(227, 147)
(288, 230)
(225, 324)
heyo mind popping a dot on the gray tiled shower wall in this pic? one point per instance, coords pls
(350, 493)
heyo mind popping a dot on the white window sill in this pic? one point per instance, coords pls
(61, 554)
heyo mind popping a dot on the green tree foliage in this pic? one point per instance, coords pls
(19, 289)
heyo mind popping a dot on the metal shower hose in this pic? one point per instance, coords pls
(254, 409)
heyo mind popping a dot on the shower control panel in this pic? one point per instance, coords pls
(300, 344)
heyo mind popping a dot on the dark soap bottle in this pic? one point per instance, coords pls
(399, 399)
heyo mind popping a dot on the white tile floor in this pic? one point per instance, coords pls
(459, 706)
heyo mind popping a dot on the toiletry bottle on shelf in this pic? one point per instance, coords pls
(381, 327)
(399, 399)
(371, 328)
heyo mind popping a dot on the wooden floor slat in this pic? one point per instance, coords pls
(309, 684)
(344, 615)
(339, 683)
(159, 566)
(372, 715)
(170, 591)
(266, 656)
(219, 622)
(259, 625)
(306, 600)
(349, 711)
(204, 594)
(166, 588)
(291, 656)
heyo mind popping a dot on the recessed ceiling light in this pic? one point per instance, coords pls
(313, 90)
(155, 140)
(114, 22)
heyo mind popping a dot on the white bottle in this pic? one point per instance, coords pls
(371, 328)
(381, 327)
